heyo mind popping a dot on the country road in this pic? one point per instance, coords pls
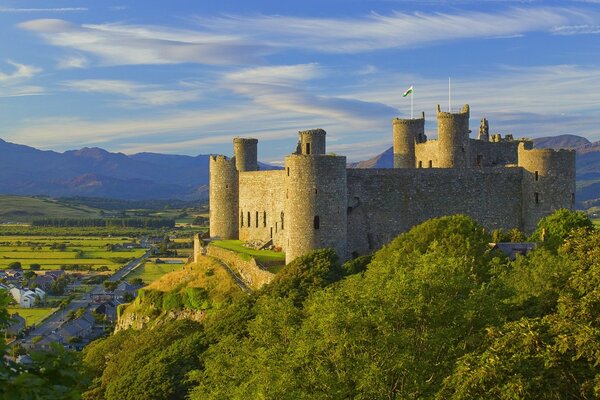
(55, 320)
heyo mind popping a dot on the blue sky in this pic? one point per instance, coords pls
(188, 76)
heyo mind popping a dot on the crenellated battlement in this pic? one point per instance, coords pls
(464, 112)
(409, 121)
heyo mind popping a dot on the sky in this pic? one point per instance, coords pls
(186, 77)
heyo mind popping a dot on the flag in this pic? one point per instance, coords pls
(408, 91)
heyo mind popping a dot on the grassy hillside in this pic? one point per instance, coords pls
(25, 209)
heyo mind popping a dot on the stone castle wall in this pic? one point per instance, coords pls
(242, 264)
(426, 154)
(385, 202)
(261, 206)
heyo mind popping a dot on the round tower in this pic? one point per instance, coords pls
(245, 152)
(223, 200)
(312, 142)
(548, 182)
(315, 204)
(453, 138)
(406, 133)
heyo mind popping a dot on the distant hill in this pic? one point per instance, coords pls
(94, 172)
(588, 164)
(560, 142)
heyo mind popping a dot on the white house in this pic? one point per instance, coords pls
(27, 298)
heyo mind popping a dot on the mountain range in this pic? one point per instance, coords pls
(94, 172)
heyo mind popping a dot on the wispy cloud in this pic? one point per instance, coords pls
(38, 10)
(21, 72)
(121, 44)
(276, 87)
(71, 62)
(13, 84)
(236, 40)
(396, 30)
(576, 30)
(137, 94)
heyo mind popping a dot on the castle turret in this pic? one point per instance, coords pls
(548, 182)
(484, 130)
(315, 204)
(407, 132)
(224, 196)
(312, 142)
(453, 138)
(245, 152)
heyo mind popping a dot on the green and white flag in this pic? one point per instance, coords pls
(408, 91)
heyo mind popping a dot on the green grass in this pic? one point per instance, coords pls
(596, 222)
(81, 251)
(32, 315)
(262, 256)
(150, 272)
(25, 209)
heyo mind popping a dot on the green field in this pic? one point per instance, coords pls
(596, 222)
(25, 209)
(32, 315)
(262, 256)
(149, 271)
(78, 251)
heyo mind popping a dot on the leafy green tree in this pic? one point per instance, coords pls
(554, 356)
(147, 364)
(553, 229)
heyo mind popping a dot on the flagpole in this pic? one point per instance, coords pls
(449, 96)
(412, 94)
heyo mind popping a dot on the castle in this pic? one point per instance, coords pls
(317, 202)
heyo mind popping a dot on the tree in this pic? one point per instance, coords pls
(35, 267)
(16, 265)
(553, 229)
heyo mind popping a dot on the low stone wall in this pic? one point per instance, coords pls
(244, 265)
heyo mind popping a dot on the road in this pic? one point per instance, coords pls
(55, 320)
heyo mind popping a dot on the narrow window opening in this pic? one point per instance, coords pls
(316, 191)
(282, 220)
(264, 219)
(226, 186)
(241, 218)
(288, 171)
(271, 232)
(349, 210)
(479, 160)
(256, 219)
(537, 197)
(430, 164)
(537, 175)
(420, 164)
(316, 222)
(308, 148)
(276, 227)
(248, 222)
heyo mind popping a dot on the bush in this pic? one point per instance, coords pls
(15, 265)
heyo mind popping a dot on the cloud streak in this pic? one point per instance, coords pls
(38, 10)
(13, 84)
(397, 30)
(136, 94)
(121, 44)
